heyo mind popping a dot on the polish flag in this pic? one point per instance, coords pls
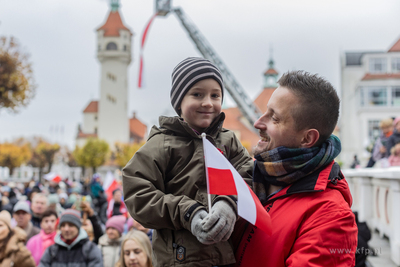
(109, 185)
(223, 179)
(51, 176)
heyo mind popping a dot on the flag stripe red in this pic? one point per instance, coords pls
(221, 182)
(263, 220)
(141, 50)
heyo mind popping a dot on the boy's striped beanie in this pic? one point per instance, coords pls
(187, 73)
(71, 216)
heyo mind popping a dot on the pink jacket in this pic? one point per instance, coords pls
(38, 244)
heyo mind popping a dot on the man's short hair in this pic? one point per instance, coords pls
(48, 213)
(319, 102)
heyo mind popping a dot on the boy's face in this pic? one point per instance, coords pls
(201, 104)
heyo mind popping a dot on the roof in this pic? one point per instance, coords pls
(354, 58)
(395, 47)
(380, 76)
(262, 99)
(137, 128)
(93, 107)
(113, 25)
(271, 71)
(233, 122)
(86, 135)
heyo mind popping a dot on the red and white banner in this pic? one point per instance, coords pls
(141, 66)
(223, 179)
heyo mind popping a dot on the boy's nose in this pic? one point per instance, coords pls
(207, 101)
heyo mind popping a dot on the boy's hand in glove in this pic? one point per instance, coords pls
(197, 229)
(219, 223)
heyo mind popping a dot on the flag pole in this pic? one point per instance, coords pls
(203, 137)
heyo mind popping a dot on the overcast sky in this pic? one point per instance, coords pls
(60, 37)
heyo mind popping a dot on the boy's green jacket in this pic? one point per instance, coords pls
(164, 185)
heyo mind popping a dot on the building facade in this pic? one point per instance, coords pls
(370, 92)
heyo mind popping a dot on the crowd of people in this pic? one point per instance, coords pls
(69, 224)
(386, 148)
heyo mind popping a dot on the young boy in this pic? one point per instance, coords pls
(165, 182)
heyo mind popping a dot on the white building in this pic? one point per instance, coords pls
(370, 92)
(107, 118)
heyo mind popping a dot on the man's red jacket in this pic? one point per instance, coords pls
(312, 225)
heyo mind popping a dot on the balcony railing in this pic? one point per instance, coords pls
(376, 198)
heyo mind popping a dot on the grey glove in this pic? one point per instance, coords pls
(197, 229)
(219, 222)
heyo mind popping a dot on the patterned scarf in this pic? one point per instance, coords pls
(283, 166)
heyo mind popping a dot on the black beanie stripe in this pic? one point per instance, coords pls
(187, 73)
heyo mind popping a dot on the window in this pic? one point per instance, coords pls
(124, 47)
(396, 64)
(373, 129)
(377, 65)
(373, 96)
(396, 96)
(111, 46)
(99, 47)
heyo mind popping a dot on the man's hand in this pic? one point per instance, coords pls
(219, 222)
(85, 206)
(197, 229)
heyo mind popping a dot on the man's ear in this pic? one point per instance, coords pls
(310, 138)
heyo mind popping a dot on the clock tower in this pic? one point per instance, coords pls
(114, 53)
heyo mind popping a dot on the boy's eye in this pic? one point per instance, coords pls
(215, 95)
(196, 94)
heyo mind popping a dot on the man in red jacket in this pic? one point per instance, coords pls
(298, 182)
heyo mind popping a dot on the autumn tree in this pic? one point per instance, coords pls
(124, 152)
(12, 155)
(17, 86)
(43, 155)
(93, 154)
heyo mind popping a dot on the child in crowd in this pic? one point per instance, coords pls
(394, 159)
(165, 182)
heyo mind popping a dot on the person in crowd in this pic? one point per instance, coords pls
(54, 203)
(116, 206)
(379, 149)
(12, 249)
(395, 137)
(38, 207)
(356, 163)
(298, 182)
(135, 250)
(22, 216)
(394, 159)
(72, 246)
(93, 222)
(63, 198)
(133, 224)
(110, 243)
(38, 244)
(165, 181)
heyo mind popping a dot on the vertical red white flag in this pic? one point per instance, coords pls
(223, 179)
(109, 185)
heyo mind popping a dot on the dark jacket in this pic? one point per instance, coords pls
(312, 224)
(165, 184)
(81, 253)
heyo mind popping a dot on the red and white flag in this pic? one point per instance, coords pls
(53, 177)
(223, 179)
(141, 62)
(109, 185)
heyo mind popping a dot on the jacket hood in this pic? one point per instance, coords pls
(182, 128)
(82, 235)
(328, 177)
(19, 236)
